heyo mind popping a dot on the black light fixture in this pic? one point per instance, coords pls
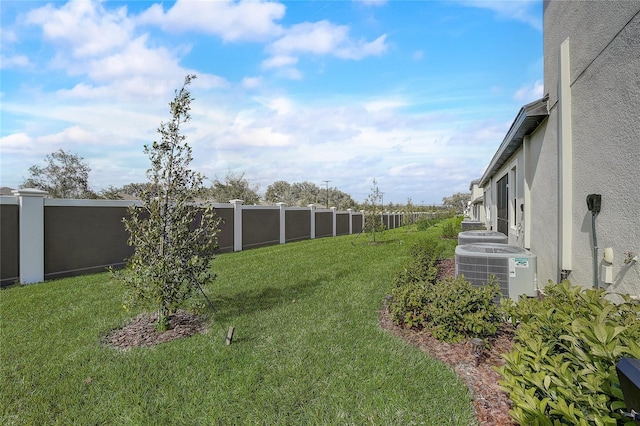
(477, 348)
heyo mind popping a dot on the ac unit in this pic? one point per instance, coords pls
(468, 225)
(514, 267)
(479, 236)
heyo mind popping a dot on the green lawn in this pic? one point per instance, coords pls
(307, 349)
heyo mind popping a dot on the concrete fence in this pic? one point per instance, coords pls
(45, 238)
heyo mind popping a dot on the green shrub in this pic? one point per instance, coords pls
(423, 224)
(451, 309)
(562, 366)
(458, 310)
(451, 227)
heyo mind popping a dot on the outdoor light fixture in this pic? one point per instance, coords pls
(477, 347)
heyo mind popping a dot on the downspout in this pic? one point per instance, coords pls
(565, 162)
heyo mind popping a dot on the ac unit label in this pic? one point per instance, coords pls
(517, 262)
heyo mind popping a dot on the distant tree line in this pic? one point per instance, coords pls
(66, 175)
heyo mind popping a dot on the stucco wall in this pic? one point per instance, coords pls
(605, 93)
(592, 24)
(542, 207)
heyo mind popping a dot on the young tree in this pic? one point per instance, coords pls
(65, 175)
(234, 187)
(173, 240)
(373, 210)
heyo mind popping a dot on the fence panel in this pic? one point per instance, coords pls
(81, 239)
(342, 223)
(297, 226)
(225, 236)
(260, 227)
(324, 224)
(9, 244)
(357, 224)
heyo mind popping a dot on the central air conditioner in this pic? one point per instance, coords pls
(468, 225)
(478, 236)
(514, 267)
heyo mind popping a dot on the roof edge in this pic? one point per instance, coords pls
(513, 139)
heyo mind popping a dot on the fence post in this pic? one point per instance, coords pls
(362, 212)
(31, 216)
(350, 221)
(333, 210)
(312, 207)
(282, 222)
(237, 224)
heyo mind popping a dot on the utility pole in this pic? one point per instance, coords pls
(326, 182)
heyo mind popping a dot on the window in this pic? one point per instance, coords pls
(513, 195)
(502, 204)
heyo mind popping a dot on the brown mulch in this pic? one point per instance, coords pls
(141, 330)
(490, 403)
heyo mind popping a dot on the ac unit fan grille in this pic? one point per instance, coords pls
(477, 270)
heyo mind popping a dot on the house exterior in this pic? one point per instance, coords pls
(476, 210)
(581, 138)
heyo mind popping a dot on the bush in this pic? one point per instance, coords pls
(458, 310)
(451, 309)
(562, 366)
(423, 224)
(451, 227)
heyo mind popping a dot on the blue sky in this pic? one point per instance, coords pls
(416, 94)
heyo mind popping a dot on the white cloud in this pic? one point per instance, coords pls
(281, 105)
(251, 82)
(230, 20)
(100, 49)
(18, 61)
(530, 92)
(371, 2)
(290, 73)
(279, 61)
(23, 143)
(519, 10)
(7, 36)
(85, 26)
(324, 38)
(384, 104)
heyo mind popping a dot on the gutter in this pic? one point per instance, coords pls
(525, 123)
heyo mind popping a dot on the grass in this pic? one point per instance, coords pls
(307, 348)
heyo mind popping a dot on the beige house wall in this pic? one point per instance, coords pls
(541, 202)
(588, 144)
(605, 131)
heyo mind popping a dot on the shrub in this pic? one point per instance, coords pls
(458, 310)
(451, 227)
(562, 366)
(423, 224)
(451, 309)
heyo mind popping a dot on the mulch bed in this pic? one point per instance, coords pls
(491, 404)
(141, 330)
